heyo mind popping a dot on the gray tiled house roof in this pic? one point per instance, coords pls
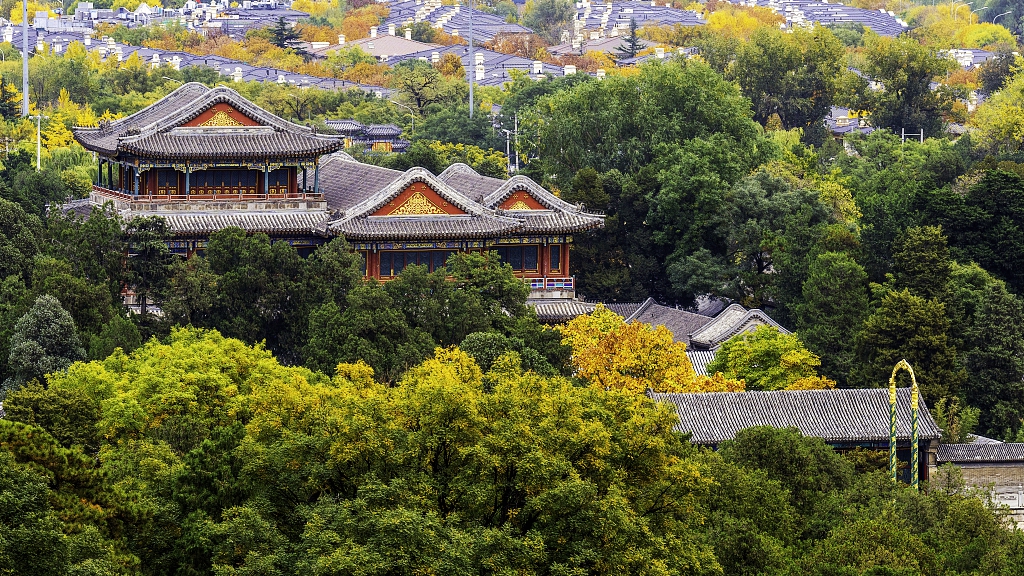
(833, 415)
(967, 453)
(699, 331)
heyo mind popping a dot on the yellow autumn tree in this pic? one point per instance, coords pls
(741, 21)
(612, 354)
(33, 7)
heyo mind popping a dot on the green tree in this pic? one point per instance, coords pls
(88, 302)
(548, 18)
(118, 332)
(631, 44)
(792, 75)
(754, 238)
(44, 341)
(20, 236)
(835, 303)
(282, 34)
(905, 69)
(767, 359)
(921, 262)
(986, 225)
(606, 262)
(453, 125)
(149, 261)
(989, 336)
(906, 326)
(192, 293)
(371, 329)
(488, 347)
(256, 283)
(805, 466)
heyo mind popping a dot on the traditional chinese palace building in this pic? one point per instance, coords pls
(206, 159)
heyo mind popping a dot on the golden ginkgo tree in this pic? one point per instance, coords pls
(611, 354)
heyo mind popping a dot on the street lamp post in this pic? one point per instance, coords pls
(412, 116)
(1003, 14)
(970, 20)
(953, 10)
(39, 143)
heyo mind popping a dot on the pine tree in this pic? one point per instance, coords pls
(44, 341)
(282, 35)
(631, 44)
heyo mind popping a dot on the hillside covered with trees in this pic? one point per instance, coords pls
(201, 455)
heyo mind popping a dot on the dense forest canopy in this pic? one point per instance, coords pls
(202, 455)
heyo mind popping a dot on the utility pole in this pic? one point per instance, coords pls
(24, 57)
(472, 59)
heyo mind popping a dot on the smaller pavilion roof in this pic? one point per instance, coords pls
(859, 415)
(981, 453)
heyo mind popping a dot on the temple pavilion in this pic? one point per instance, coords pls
(207, 158)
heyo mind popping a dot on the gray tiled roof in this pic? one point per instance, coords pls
(277, 222)
(700, 360)
(433, 227)
(346, 182)
(470, 183)
(478, 221)
(106, 140)
(680, 322)
(237, 143)
(833, 415)
(624, 309)
(562, 310)
(360, 191)
(560, 216)
(730, 322)
(965, 453)
(156, 131)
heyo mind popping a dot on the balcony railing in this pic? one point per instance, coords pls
(566, 283)
(120, 195)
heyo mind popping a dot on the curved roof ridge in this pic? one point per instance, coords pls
(197, 87)
(218, 95)
(643, 308)
(457, 168)
(419, 174)
(734, 325)
(542, 195)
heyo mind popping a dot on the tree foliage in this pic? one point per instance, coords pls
(767, 359)
(636, 357)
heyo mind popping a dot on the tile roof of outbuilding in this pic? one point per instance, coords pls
(680, 322)
(561, 310)
(968, 453)
(700, 360)
(839, 415)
